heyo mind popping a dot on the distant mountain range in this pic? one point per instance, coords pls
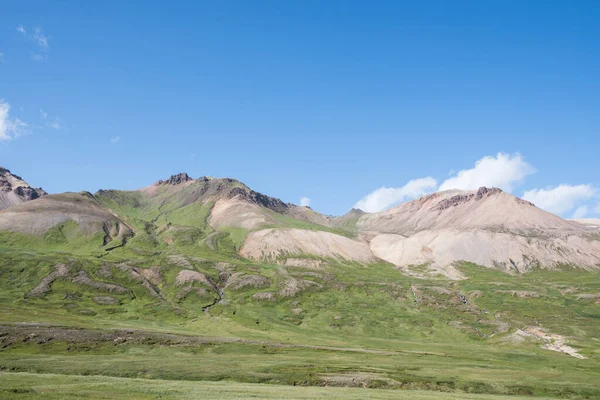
(487, 227)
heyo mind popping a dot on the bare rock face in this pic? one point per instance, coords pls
(177, 179)
(271, 203)
(14, 190)
(462, 198)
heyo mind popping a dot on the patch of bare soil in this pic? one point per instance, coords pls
(357, 380)
(136, 275)
(105, 271)
(188, 276)
(522, 294)
(550, 341)
(272, 244)
(153, 274)
(106, 300)
(588, 296)
(432, 270)
(61, 271)
(179, 261)
(293, 286)
(83, 278)
(437, 297)
(308, 263)
(240, 281)
(265, 296)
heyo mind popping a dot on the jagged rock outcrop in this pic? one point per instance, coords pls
(260, 199)
(14, 190)
(176, 179)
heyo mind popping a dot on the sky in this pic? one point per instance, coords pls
(334, 104)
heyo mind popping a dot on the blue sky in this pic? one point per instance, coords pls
(325, 100)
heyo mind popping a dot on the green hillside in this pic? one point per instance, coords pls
(173, 301)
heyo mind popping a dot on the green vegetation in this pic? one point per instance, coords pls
(64, 387)
(358, 326)
(175, 312)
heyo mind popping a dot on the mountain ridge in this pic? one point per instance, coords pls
(486, 226)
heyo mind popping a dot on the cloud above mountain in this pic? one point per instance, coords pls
(562, 198)
(304, 201)
(385, 197)
(503, 171)
(10, 127)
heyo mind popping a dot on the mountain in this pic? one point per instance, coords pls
(64, 217)
(487, 227)
(207, 279)
(486, 208)
(182, 210)
(14, 190)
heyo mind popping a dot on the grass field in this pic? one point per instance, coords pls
(176, 313)
(59, 387)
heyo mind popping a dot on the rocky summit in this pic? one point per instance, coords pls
(14, 190)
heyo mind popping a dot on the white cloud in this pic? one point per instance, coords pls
(304, 201)
(580, 212)
(385, 197)
(56, 124)
(560, 199)
(40, 40)
(115, 140)
(50, 121)
(503, 171)
(39, 57)
(10, 128)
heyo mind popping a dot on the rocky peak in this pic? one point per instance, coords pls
(486, 192)
(176, 179)
(464, 197)
(356, 211)
(14, 190)
(29, 193)
(271, 203)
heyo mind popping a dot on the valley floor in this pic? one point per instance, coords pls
(64, 387)
(75, 326)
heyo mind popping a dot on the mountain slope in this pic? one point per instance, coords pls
(486, 208)
(14, 190)
(271, 244)
(488, 227)
(212, 209)
(79, 214)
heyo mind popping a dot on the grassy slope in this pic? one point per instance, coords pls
(61, 387)
(435, 343)
(358, 308)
